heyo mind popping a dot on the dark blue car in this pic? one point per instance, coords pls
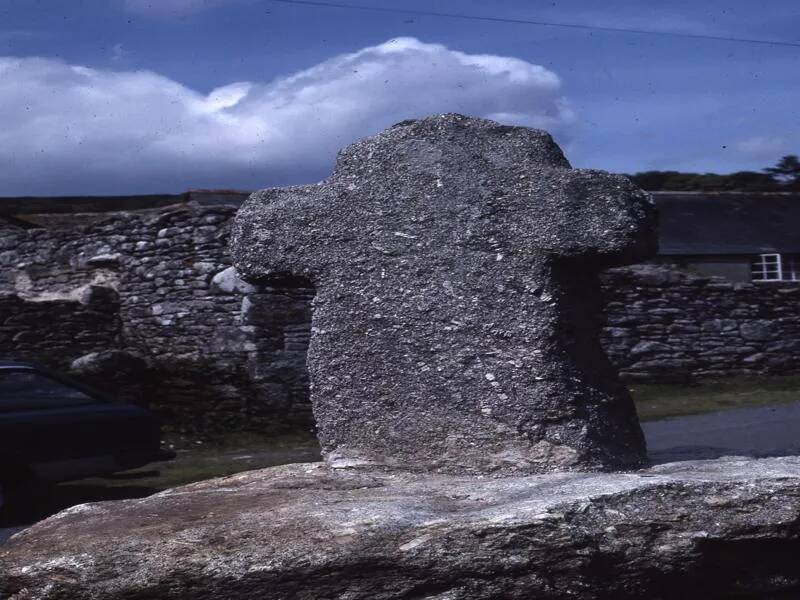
(53, 429)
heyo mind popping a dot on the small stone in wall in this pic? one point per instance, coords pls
(107, 361)
(649, 347)
(228, 282)
(755, 358)
(756, 330)
(104, 261)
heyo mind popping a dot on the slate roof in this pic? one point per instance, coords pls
(698, 223)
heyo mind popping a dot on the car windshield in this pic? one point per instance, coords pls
(29, 390)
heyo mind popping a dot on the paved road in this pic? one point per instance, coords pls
(750, 431)
(765, 431)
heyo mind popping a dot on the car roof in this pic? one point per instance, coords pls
(10, 364)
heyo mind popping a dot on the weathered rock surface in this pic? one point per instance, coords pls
(700, 529)
(455, 326)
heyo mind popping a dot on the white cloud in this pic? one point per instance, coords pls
(68, 129)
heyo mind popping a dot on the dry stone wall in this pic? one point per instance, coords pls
(53, 330)
(219, 354)
(665, 323)
(55, 305)
(222, 354)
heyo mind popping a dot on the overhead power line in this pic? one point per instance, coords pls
(447, 15)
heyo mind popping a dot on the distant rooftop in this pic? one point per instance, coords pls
(697, 223)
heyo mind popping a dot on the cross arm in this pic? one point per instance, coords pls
(276, 234)
(587, 215)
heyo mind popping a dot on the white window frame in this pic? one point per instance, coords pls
(774, 267)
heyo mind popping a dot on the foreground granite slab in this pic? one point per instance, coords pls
(697, 529)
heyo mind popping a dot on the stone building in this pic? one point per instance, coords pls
(136, 295)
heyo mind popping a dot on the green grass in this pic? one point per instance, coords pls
(204, 459)
(660, 401)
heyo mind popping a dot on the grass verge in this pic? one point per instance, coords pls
(204, 459)
(661, 401)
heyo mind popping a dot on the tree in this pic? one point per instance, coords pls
(783, 177)
(787, 171)
(675, 181)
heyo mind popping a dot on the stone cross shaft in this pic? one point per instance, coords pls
(455, 325)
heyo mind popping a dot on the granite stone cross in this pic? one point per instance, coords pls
(455, 325)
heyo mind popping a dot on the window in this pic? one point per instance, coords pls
(28, 390)
(776, 267)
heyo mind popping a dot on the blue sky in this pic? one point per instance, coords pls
(136, 96)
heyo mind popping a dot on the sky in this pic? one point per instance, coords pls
(160, 96)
